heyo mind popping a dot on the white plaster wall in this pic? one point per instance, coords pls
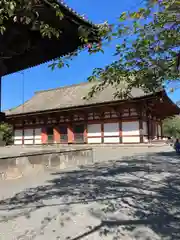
(17, 142)
(37, 133)
(94, 130)
(37, 141)
(94, 140)
(28, 134)
(111, 129)
(37, 136)
(155, 128)
(111, 140)
(94, 133)
(28, 141)
(18, 134)
(159, 130)
(130, 128)
(18, 137)
(145, 139)
(133, 139)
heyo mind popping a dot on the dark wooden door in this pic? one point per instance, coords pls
(78, 133)
(50, 134)
(63, 130)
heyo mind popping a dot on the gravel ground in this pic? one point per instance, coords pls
(128, 194)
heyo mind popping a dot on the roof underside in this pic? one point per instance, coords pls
(24, 47)
(72, 97)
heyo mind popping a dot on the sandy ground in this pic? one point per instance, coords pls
(126, 194)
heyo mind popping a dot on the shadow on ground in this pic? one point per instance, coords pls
(140, 190)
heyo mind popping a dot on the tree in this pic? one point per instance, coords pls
(171, 127)
(148, 51)
(6, 133)
(25, 12)
(28, 12)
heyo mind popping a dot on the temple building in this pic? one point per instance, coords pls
(63, 116)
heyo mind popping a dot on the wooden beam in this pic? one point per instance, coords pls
(0, 93)
(161, 125)
(120, 131)
(102, 132)
(140, 110)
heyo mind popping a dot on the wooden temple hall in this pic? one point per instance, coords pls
(62, 116)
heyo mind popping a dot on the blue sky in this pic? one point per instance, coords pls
(42, 77)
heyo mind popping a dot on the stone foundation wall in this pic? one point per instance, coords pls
(25, 164)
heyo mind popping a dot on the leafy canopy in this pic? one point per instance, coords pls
(148, 52)
(26, 12)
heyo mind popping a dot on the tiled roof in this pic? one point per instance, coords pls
(68, 97)
(62, 4)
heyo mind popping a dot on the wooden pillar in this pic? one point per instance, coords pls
(154, 129)
(56, 135)
(150, 128)
(120, 128)
(34, 134)
(85, 127)
(0, 93)
(85, 132)
(70, 134)
(120, 131)
(141, 130)
(161, 126)
(22, 132)
(141, 124)
(149, 122)
(157, 129)
(44, 135)
(102, 132)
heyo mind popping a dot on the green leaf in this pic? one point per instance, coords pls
(123, 16)
(52, 66)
